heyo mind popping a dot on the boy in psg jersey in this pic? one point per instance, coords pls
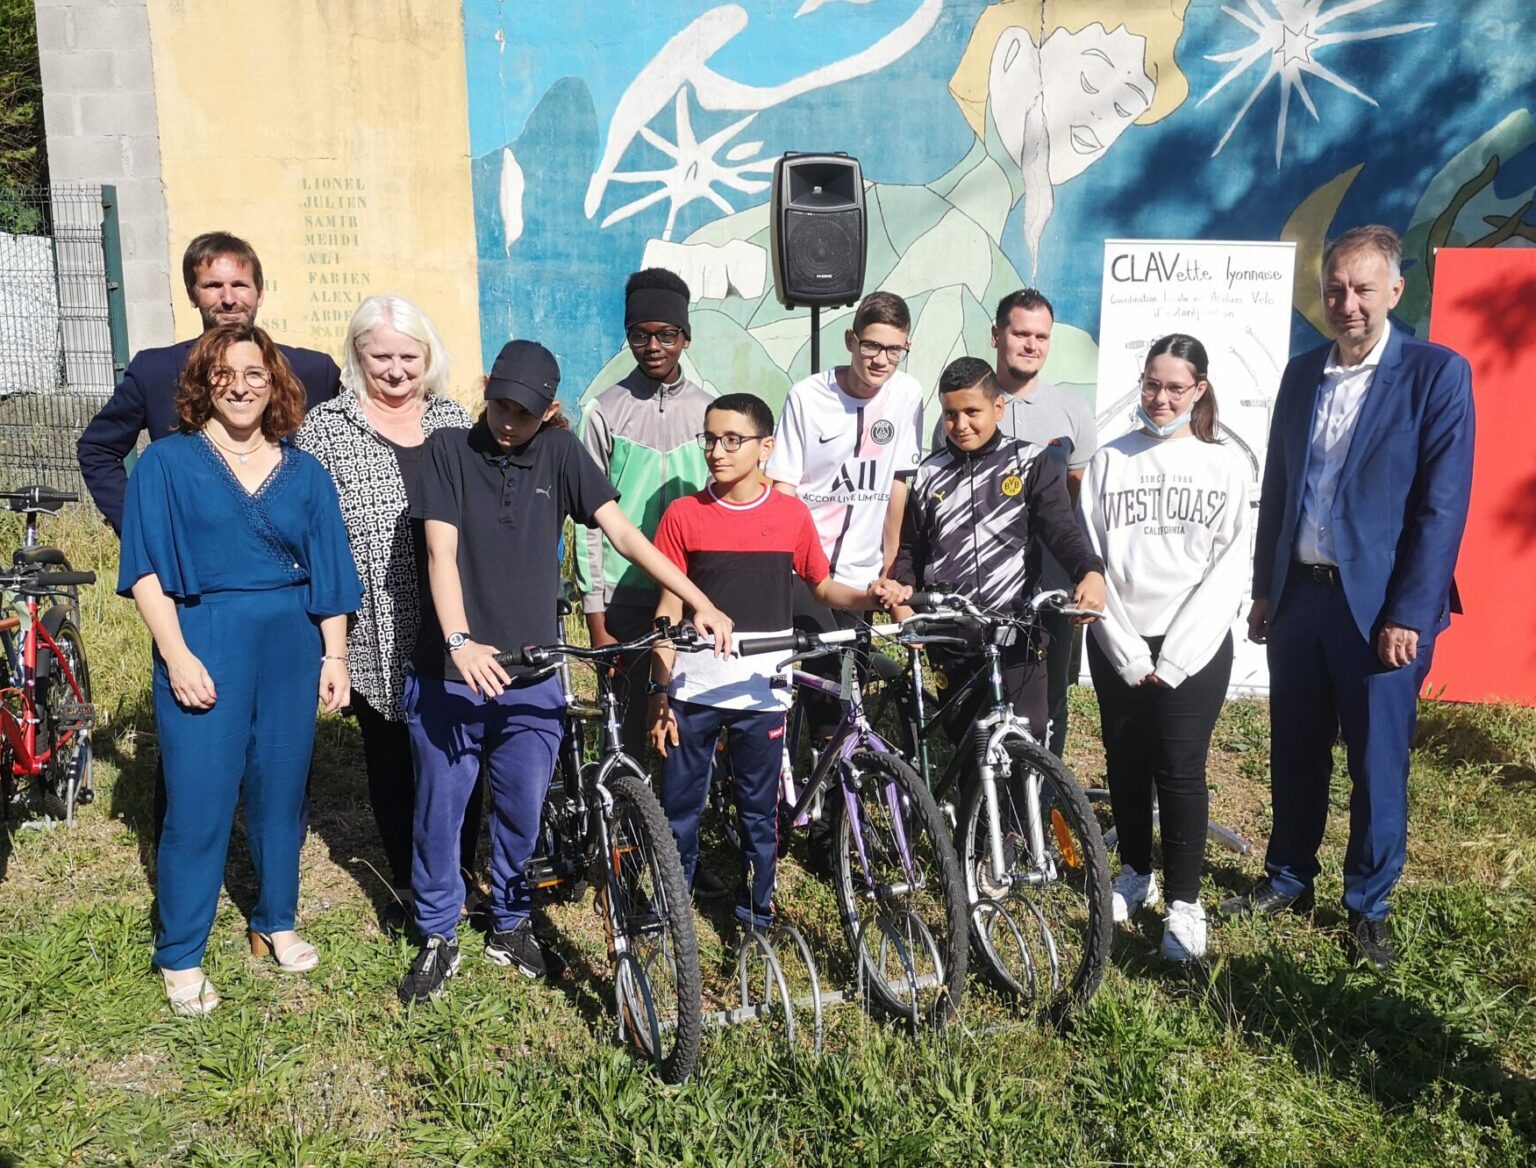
(978, 505)
(743, 544)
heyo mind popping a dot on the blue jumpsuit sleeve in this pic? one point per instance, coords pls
(334, 587)
(153, 542)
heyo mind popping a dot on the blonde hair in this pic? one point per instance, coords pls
(405, 317)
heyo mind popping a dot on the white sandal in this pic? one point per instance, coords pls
(196, 998)
(299, 957)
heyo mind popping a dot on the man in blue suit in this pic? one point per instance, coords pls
(223, 277)
(1364, 501)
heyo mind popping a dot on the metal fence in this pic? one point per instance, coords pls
(63, 336)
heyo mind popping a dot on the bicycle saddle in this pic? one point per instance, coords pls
(39, 555)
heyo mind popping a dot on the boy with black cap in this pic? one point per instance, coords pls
(643, 432)
(493, 499)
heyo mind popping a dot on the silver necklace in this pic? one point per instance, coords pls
(242, 455)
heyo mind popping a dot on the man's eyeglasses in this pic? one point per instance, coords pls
(731, 442)
(1151, 388)
(639, 338)
(222, 377)
(893, 353)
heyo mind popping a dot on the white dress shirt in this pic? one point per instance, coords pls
(1333, 428)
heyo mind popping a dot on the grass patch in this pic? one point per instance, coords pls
(1275, 1052)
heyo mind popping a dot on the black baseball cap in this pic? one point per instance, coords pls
(525, 372)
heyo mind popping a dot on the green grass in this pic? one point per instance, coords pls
(1275, 1052)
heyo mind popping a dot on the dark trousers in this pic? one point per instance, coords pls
(625, 622)
(517, 735)
(1058, 675)
(1024, 685)
(1156, 740)
(392, 793)
(1325, 677)
(756, 743)
(822, 714)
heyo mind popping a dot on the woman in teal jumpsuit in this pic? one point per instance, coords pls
(235, 553)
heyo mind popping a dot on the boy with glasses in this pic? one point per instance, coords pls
(744, 543)
(643, 434)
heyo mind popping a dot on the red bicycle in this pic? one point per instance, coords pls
(45, 683)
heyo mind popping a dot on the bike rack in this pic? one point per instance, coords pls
(778, 1000)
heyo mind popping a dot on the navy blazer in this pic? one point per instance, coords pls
(145, 399)
(1403, 492)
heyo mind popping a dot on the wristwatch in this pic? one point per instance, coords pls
(656, 687)
(456, 641)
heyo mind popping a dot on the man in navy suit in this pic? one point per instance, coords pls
(223, 277)
(1364, 501)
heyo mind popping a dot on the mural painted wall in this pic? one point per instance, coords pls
(333, 137)
(1002, 144)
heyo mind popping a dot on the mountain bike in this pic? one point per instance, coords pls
(45, 683)
(602, 824)
(1033, 857)
(897, 882)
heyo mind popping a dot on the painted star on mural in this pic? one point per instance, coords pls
(1290, 34)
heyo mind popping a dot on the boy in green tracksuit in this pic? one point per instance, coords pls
(643, 432)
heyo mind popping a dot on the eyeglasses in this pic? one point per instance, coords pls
(639, 338)
(222, 377)
(893, 353)
(1151, 388)
(731, 442)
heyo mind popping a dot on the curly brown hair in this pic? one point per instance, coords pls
(194, 399)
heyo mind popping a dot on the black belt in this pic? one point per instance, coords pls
(1317, 573)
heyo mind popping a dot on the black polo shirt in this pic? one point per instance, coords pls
(509, 507)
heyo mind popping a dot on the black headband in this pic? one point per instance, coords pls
(660, 304)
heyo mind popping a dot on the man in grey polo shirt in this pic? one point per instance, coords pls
(1063, 423)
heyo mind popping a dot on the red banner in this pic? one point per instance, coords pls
(1485, 308)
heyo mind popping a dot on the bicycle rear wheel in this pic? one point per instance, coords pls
(899, 891)
(654, 947)
(66, 720)
(1059, 901)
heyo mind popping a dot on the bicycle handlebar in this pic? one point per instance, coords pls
(684, 639)
(37, 498)
(41, 583)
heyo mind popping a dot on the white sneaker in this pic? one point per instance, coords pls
(1184, 931)
(1132, 890)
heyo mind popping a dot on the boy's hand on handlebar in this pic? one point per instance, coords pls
(716, 626)
(889, 594)
(663, 724)
(481, 671)
(1090, 593)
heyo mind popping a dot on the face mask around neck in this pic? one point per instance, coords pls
(1172, 427)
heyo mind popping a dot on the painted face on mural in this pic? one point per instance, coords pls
(1081, 90)
(1024, 344)
(1358, 293)
(225, 292)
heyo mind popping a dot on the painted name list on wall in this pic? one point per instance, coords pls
(1235, 298)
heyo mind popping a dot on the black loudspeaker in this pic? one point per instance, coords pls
(817, 230)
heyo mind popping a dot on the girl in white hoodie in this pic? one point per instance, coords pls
(1166, 507)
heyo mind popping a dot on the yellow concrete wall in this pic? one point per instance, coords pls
(333, 136)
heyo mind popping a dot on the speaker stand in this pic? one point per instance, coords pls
(815, 338)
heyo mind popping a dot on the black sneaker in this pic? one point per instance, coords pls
(435, 964)
(518, 948)
(1369, 944)
(708, 886)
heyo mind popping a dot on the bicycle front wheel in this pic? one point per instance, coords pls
(66, 717)
(654, 947)
(1052, 947)
(899, 891)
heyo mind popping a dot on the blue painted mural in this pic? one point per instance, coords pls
(1002, 144)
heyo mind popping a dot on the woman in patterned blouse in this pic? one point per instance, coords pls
(370, 439)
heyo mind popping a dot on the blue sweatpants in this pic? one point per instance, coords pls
(756, 743)
(452, 728)
(262, 651)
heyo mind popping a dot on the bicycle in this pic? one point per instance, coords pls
(1030, 846)
(45, 684)
(602, 823)
(897, 882)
